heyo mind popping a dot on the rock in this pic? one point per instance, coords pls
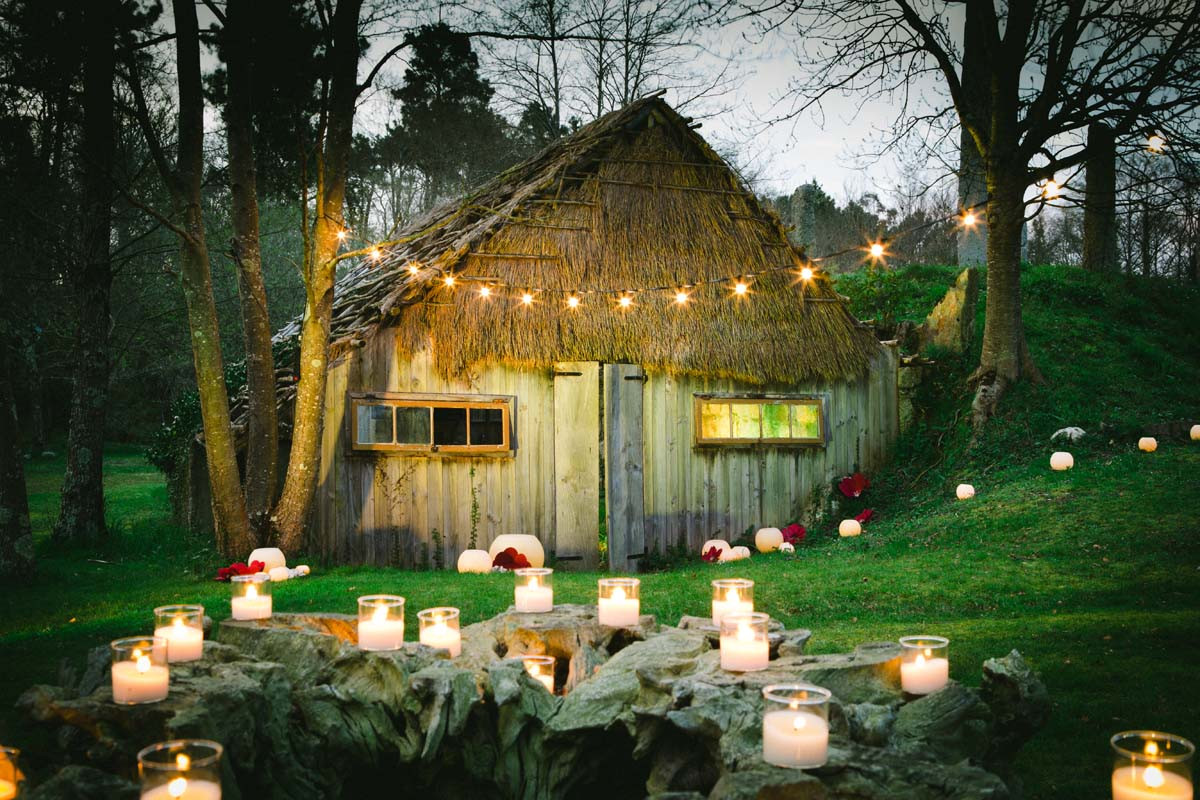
(1071, 434)
(951, 324)
(83, 783)
(302, 570)
(279, 574)
(641, 711)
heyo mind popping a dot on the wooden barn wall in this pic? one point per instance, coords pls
(693, 494)
(382, 509)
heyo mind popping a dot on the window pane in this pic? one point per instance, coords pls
(449, 426)
(412, 425)
(714, 420)
(487, 426)
(775, 421)
(374, 425)
(745, 420)
(806, 421)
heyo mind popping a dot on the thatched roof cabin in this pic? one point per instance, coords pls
(510, 400)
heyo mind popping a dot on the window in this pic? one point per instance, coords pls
(749, 420)
(428, 425)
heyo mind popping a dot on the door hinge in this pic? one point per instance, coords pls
(641, 378)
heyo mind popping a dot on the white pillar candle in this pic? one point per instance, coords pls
(184, 643)
(251, 605)
(744, 650)
(442, 636)
(533, 597)
(1147, 444)
(1149, 783)
(619, 611)
(184, 789)
(924, 675)
(1195, 433)
(795, 739)
(1061, 461)
(379, 632)
(732, 604)
(139, 681)
(965, 491)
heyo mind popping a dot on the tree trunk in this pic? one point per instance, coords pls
(291, 513)
(1005, 357)
(16, 538)
(972, 175)
(81, 517)
(1100, 248)
(1147, 249)
(262, 442)
(229, 508)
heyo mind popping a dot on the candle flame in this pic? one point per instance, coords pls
(252, 591)
(744, 633)
(1151, 748)
(143, 664)
(732, 596)
(618, 593)
(920, 658)
(182, 762)
(380, 614)
(177, 787)
(177, 622)
(533, 582)
(928, 652)
(1152, 777)
(798, 722)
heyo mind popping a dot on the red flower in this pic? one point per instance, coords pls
(239, 568)
(866, 516)
(509, 558)
(794, 533)
(853, 485)
(712, 554)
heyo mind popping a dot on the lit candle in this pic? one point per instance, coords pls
(183, 629)
(533, 593)
(9, 775)
(618, 602)
(184, 789)
(744, 645)
(540, 668)
(795, 738)
(139, 671)
(8, 790)
(1151, 766)
(731, 596)
(1061, 461)
(252, 597)
(439, 628)
(1149, 783)
(924, 665)
(965, 491)
(1147, 444)
(183, 769)
(380, 622)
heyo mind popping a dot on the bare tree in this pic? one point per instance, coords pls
(1049, 69)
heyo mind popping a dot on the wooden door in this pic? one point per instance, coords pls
(577, 463)
(624, 502)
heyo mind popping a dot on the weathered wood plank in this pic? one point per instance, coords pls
(577, 462)
(624, 504)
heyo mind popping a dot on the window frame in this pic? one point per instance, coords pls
(700, 400)
(395, 400)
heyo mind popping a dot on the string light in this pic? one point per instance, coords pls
(681, 297)
(625, 301)
(876, 250)
(527, 299)
(573, 301)
(485, 292)
(806, 274)
(1051, 189)
(1155, 143)
(969, 219)
(741, 289)
(376, 254)
(449, 281)
(413, 269)
(341, 235)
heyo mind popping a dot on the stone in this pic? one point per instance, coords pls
(639, 711)
(1071, 434)
(951, 324)
(279, 574)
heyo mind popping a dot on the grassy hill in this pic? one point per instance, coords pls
(1093, 574)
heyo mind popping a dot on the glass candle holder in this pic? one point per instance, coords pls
(795, 725)
(439, 628)
(1149, 765)
(380, 622)
(744, 644)
(924, 663)
(182, 627)
(184, 769)
(534, 592)
(541, 669)
(251, 596)
(10, 776)
(731, 595)
(619, 602)
(139, 670)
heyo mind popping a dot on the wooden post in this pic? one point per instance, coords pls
(624, 503)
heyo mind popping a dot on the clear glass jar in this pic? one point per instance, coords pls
(380, 622)
(439, 627)
(731, 595)
(1150, 765)
(619, 602)
(541, 669)
(795, 725)
(139, 670)
(251, 596)
(182, 626)
(534, 592)
(744, 643)
(924, 663)
(183, 769)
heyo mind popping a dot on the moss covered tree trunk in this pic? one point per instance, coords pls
(16, 539)
(291, 513)
(262, 439)
(81, 517)
(1100, 251)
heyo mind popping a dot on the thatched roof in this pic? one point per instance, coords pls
(636, 199)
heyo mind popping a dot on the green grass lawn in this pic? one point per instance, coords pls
(1093, 574)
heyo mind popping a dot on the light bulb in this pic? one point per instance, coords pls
(413, 269)
(806, 274)
(1051, 190)
(1155, 143)
(572, 302)
(448, 280)
(625, 301)
(877, 250)
(740, 288)
(681, 297)
(485, 292)
(527, 299)
(968, 219)
(376, 254)
(341, 236)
